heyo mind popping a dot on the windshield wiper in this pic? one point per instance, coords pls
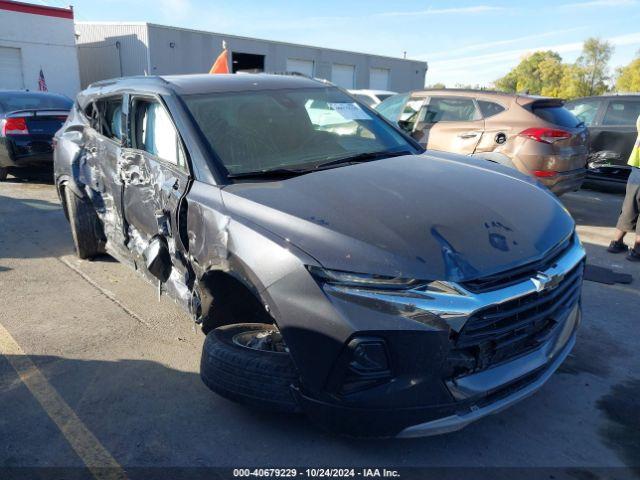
(293, 172)
(269, 173)
(361, 157)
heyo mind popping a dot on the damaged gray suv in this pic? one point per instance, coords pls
(335, 267)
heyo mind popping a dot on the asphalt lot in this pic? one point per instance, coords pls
(126, 365)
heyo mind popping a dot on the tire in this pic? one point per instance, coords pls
(4, 171)
(86, 228)
(257, 378)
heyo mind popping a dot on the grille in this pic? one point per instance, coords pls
(509, 329)
(511, 277)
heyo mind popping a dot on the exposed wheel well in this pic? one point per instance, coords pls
(229, 301)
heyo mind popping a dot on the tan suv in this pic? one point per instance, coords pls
(535, 135)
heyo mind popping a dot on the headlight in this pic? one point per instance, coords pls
(377, 282)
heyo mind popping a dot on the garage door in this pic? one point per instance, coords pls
(343, 75)
(300, 66)
(11, 69)
(379, 79)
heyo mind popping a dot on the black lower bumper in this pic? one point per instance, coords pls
(504, 386)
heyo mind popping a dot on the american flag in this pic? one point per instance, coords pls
(42, 83)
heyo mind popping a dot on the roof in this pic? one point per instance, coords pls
(206, 83)
(47, 11)
(372, 92)
(609, 95)
(467, 91)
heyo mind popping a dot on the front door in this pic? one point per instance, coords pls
(450, 124)
(98, 168)
(155, 176)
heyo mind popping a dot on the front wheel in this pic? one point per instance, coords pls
(249, 363)
(86, 228)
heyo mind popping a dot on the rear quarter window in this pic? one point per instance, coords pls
(489, 109)
(557, 115)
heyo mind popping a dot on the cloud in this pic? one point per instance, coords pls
(601, 3)
(516, 54)
(441, 11)
(474, 47)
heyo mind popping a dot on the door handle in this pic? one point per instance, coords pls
(468, 135)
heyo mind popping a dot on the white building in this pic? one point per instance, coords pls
(35, 37)
(115, 49)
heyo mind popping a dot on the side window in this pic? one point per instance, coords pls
(622, 112)
(154, 132)
(110, 113)
(391, 107)
(450, 109)
(585, 111)
(489, 109)
(91, 112)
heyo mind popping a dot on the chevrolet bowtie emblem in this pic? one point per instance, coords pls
(543, 282)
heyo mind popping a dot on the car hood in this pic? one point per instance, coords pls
(431, 216)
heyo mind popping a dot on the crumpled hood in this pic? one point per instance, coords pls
(433, 216)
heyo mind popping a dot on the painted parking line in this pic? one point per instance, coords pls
(97, 459)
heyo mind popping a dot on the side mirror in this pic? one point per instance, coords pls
(405, 125)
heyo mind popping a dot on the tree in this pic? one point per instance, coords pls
(592, 67)
(628, 78)
(437, 86)
(539, 73)
(544, 73)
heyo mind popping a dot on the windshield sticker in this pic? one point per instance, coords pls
(350, 111)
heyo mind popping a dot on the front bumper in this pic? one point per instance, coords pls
(428, 391)
(538, 377)
(608, 174)
(503, 386)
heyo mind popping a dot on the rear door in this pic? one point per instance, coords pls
(616, 130)
(155, 175)
(450, 124)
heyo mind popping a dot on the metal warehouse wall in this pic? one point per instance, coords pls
(40, 41)
(177, 50)
(109, 50)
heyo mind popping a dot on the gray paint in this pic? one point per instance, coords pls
(160, 50)
(405, 216)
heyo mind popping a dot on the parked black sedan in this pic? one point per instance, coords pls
(28, 121)
(611, 120)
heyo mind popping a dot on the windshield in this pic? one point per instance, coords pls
(279, 129)
(10, 102)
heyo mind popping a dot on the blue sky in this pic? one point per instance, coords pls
(463, 41)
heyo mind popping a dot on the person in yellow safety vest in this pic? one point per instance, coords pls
(628, 220)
